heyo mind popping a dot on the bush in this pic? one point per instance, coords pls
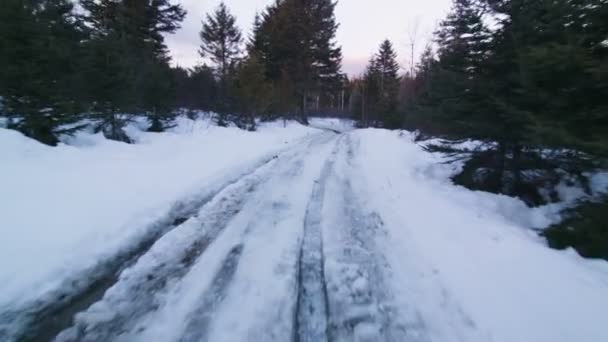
(585, 229)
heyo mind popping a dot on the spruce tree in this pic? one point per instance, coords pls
(371, 94)
(126, 63)
(457, 89)
(221, 42)
(39, 44)
(296, 41)
(253, 91)
(388, 83)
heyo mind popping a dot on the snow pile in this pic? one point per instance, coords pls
(465, 262)
(64, 208)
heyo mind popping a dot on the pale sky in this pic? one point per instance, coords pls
(363, 26)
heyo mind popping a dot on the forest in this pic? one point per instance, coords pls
(528, 78)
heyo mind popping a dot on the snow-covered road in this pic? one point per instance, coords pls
(354, 236)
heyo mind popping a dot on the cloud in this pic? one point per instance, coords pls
(363, 25)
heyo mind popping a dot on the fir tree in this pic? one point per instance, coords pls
(253, 91)
(388, 79)
(296, 41)
(125, 64)
(39, 44)
(221, 42)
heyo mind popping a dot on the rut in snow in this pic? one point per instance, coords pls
(140, 288)
(274, 203)
(311, 309)
(43, 319)
(200, 319)
(133, 295)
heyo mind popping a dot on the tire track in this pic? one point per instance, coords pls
(134, 294)
(43, 319)
(198, 326)
(276, 209)
(311, 309)
(139, 290)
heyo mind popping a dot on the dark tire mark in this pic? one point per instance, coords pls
(143, 286)
(311, 314)
(199, 321)
(44, 319)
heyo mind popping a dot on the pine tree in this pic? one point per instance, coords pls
(196, 89)
(296, 41)
(221, 42)
(388, 78)
(253, 91)
(458, 83)
(381, 89)
(126, 63)
(371, 94)
(39, 44)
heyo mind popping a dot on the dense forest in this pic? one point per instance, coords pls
(528, 78)
(104, 59)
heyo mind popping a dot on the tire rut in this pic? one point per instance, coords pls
(135, 293)
(200, 319)
(311, 309)
(44, 319)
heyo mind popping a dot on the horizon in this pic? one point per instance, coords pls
(419, 20)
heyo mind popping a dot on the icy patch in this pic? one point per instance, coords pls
(599, 183)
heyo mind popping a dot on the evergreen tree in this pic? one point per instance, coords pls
(196, 89)
(553, 64)
(253, 91)
(221, 42)
(458, 86)
(126, 64)
(388, 78)
(371, 94)
(296, 41)
(381, 89)
(39, 44)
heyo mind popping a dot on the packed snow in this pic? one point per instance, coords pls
(323, 233)
(464, 263)
(63, 208)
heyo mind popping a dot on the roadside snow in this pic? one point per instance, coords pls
(64, 208)
(465, 262)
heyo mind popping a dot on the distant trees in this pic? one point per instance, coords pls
(108, 61)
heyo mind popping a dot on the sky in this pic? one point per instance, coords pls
(364, 24)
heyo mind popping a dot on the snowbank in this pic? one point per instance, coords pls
(465, 263)
(64, 208)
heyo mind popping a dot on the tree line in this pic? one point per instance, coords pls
(101, 61)
(530, 78)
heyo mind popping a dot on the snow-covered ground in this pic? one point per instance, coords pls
(64, 208)
(338, 125)
(462, 264)
(351, 235)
